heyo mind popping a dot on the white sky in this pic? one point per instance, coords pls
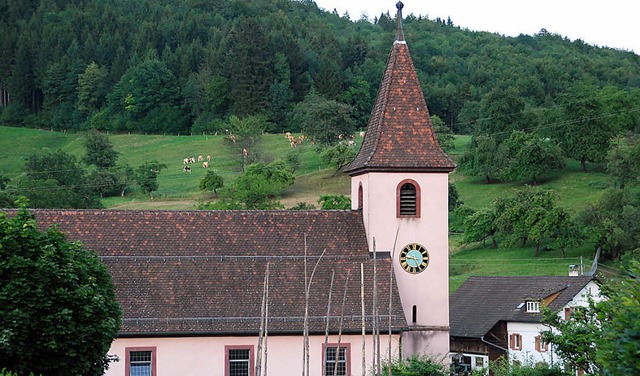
(610, 23)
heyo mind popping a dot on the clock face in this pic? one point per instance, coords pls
(414, 258)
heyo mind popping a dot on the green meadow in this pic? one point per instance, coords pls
(179, 190)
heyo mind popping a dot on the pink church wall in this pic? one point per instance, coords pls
(197, 356)
(429, 290)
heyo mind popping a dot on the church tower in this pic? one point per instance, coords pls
(400, 181)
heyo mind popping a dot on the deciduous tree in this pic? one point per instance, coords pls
(56, 180)
(334, 202)
(586, 132)
(527, 157)
(211, 182)
(257, 189)
(324, 120)
(99, 150)
(603, 336)
(58, 310)
(146, 176)
(338, 156)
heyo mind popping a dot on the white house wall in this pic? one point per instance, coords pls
(530, 331)
(529, 354)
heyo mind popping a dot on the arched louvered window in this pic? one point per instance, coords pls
(408, 199)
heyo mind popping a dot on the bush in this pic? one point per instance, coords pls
(415, 366)
(502, 367)
(334, 202)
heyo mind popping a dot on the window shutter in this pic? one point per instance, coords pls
(408, 199)
(538, 348)
(567, 313)
(512, 342)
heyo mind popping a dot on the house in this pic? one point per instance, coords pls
(500, 316)
(191, 284)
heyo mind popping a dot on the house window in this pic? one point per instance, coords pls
(239, 360)
(337, 360)
(567, 313)
(533, 306)
(140, 361)
(408, 199)
(541, 344)
(515, 341)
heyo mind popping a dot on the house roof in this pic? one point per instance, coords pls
(400, 136)
(202, 272)
(481, 302)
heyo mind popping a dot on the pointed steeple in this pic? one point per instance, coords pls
(400, 136)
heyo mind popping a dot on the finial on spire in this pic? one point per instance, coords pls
(399, 32)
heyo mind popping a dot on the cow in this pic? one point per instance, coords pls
(186, 169)
(205, 164)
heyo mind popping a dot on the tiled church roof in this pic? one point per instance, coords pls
(399, 135)
(202, 272)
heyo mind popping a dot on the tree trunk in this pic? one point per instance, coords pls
(537, 249)
(583, 164)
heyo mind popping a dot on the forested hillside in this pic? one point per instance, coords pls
(166, 66)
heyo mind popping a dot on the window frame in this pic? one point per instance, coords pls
(533, 306)
(568, 313)
(346, 346)
(515, 341)
(417, 200)
(228, 348)
(127, 357)
(541, 344)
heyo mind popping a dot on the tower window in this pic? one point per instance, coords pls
(408, 199)
(360, 196)
(414, 314)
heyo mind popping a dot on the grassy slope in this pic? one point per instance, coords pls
(575, 188)
(179, 190)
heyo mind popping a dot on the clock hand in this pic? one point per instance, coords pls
(415, 259)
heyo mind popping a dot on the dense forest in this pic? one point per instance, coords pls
(176, 67)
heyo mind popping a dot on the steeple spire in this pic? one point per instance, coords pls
(399, 32)
(400, 136)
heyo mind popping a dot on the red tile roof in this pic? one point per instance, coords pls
(202, 272)
(400, 136)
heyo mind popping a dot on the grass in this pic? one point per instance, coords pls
(476, 259)
(179, 190)
(575, 188)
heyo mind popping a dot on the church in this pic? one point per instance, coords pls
(286, 292)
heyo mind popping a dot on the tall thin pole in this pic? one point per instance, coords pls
(376, 328)
(326, 330)
(344, 302)
(393, 251)
(364, 362)
(266, 325)
(262, 322)
(306, 312)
